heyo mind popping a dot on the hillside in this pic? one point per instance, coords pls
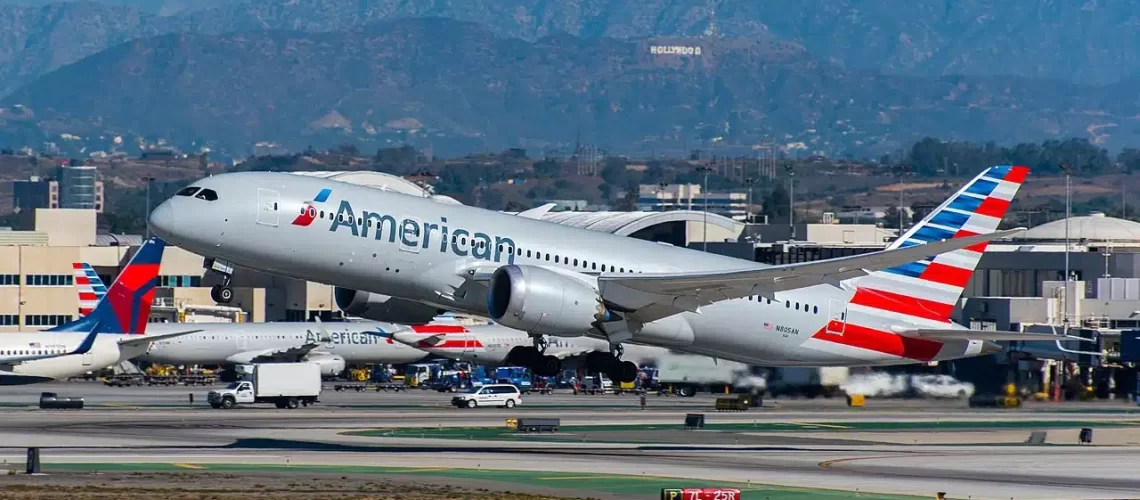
(458, 87)
(1082, 41)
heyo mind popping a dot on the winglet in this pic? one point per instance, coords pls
(537, 213)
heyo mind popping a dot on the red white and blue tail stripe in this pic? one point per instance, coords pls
(89, 286)
(929, 289)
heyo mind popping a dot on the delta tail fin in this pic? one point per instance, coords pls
(125, 306)
(929, 288)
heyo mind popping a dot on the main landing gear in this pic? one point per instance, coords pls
(535, 358)
(222, 293)
(610, 363)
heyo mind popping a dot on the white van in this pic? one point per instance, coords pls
(505, 395)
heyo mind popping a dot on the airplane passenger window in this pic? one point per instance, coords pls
(788, 304)
(575, 262)
(797, 306)
(594, 266)
(207, 194)
(528, 254)
(815, 309)
(340, 217)
(187, 191)
(322, 214)
(555, 259)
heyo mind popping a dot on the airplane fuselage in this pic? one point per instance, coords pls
(237, 343)
(492, 344)
(410, 247)
(104, 353)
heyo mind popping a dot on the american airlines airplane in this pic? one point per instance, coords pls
(114, 331)
(881, 308)
(498, 346)
(228, 344)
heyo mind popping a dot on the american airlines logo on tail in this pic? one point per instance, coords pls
(308, 211)
(90, 287)
(923, 293)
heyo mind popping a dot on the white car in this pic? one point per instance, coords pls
(504, 395)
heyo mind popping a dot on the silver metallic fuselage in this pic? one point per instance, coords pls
(252, 224)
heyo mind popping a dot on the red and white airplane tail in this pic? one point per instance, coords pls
(928, 289)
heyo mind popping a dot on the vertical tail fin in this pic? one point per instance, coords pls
(89, 286)
(929, 288)
(125, 308)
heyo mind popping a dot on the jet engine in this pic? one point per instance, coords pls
(331, 364)
(377, 307)
(539, 300)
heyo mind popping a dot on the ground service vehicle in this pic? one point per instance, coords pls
(505, 395)
(286, 385)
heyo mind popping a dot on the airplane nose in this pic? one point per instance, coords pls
(990, 347)
(161, 221)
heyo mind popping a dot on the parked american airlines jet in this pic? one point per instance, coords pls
(881, 308)
(228, 344)
(113, 332)
(497, 345)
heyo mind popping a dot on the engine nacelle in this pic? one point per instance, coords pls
(331, 364)
(538, 300)
(377, 307)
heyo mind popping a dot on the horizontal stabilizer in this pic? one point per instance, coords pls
(142, 339)
(991, 335)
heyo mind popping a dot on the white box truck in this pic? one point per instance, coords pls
(286, 385)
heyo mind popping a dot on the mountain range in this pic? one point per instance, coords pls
(837, 75)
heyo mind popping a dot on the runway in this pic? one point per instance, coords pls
(890, 447)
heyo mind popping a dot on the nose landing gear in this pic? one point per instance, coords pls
(223, 293)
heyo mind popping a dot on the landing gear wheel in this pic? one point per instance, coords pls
(598, 361)
(628, 372)
(222, 294)
(548, 366)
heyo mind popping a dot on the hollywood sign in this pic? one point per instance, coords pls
(678, 50)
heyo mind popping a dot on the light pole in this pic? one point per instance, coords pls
(791, 201)
(1068, 168)
(705, 169)
(146, 214)
(902, 169)
(748, 207)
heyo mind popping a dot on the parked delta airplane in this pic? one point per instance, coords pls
(114, 331)
(228, 344)
(383, 248)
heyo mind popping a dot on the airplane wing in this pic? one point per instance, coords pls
(288, 354)
(84, 347)
(653, 296)
(996, 336)
(132, 340)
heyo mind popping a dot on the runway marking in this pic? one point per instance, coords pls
(827, 426)
(827, 464)
(189, 466)
(426, 469)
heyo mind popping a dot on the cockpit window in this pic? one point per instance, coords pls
(207, 194)
(187, 191)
